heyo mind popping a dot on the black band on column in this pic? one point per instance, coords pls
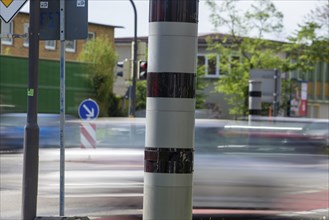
(174, 11)
(255, 94)
(168, 160)
(171, 85)
(255, 112)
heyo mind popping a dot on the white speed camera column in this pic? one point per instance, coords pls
(255, 99)
(171, 84)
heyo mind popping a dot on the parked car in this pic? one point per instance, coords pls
(12, 131)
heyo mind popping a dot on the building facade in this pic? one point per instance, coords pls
(14, 68)
(317, 81)
(49, 49)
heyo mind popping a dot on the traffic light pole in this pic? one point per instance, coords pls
(132, 111)
(31, 132)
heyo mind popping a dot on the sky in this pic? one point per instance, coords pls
(120, 13)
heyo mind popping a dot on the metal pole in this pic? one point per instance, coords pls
(1, 28)
(275, 94)
(62, 109)
(171, 80)
(133, 89)
(31, 131)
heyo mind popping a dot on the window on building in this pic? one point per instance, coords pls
(201, 62)
(210, 64)
(91, 36)
(50, 45)
(7, 28)
(70, 46)
(26, 30)
(213, 64)
(234, 60)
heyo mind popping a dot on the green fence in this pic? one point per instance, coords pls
(14, 78)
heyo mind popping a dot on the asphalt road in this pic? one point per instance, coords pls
(103, 183)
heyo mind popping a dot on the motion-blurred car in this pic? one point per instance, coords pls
(110, 176)
(279, 134)
(243, 178)
(311, 137)
(317, 133)
(12, 131)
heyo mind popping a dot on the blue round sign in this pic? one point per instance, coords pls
(88, 109)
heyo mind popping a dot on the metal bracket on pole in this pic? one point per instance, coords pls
(9, 35)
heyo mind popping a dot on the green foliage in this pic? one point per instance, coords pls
(245, 48)
(264, 18)
(240, 54)
(307, 46)
(101, 58)
(201, 84)
(141, 94)
(116, 106)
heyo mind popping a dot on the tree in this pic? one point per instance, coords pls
(239, 52)
(101, 58)
(309, 44)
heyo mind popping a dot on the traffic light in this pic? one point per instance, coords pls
(124, 69)
(142, 71)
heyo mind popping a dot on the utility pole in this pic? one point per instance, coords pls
(276, 93)
(171, 86)
(31, 132)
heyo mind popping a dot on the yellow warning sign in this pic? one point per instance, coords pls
(7, 2)
(9, 8)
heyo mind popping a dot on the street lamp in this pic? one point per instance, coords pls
(133, 89)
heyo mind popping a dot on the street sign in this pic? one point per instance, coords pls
(76, 19)
(88, 109)
(9, 8)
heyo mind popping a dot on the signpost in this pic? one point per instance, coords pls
(47, 22)
(9, 8)
(55, 26)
